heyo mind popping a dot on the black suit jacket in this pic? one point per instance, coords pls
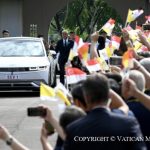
(64, 51)
(103, 130)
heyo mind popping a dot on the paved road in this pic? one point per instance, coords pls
(27, 129)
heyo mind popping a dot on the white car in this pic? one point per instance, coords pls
(24, 63)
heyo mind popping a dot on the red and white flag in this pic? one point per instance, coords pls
(77, 43)
(93, 65)
(74, 75)
(108, 27)
(77, 39)
(83, 51)
(115, 42)
(127, 58)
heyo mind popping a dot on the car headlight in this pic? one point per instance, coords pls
(38, 68)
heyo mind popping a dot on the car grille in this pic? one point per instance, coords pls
(14, 69)
(19, 85)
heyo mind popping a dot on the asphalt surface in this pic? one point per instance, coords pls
(13, 115)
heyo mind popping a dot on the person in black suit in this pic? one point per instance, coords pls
(102, 129)
(63, 48)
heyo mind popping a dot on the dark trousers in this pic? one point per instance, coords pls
(62, 72)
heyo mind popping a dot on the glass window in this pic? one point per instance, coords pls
(21, 48)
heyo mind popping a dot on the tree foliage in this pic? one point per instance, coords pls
(84, 17)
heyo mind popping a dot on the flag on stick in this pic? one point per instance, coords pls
(108, 27)
(72, 54)
(108, 51)
(103, 54)
(115, 42)
(61, 87)
(77, 43)
(133, 14)
(93, 65)
(103, 64)
(46, 92)
(63, 97)
(77, 39)
(83, 51)
(126, 59)
(74, 75)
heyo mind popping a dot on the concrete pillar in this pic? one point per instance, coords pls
(11, 16)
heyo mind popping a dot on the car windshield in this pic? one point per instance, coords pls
(21, 48)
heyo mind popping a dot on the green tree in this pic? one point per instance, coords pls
(84, 17)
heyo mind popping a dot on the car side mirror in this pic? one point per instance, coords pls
(52, 52)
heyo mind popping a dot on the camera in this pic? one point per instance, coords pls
(117, 61)
(146, 26)
(36, 111)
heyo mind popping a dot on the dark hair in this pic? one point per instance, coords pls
(123, 47)
(40, 36)
(115, 76)
(52, 41)
(101, 43)
(5, 31)
(96, 89)
(115, 86)
(70, 114)
(76, 62)
(72, 32)
(77, 93)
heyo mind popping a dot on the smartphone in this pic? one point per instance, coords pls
(36, 111)
(146, 26)
(49, 128)
(116, 61)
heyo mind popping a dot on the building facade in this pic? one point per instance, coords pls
(11, 16)
(22, 16)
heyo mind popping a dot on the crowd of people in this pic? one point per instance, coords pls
(110, 110)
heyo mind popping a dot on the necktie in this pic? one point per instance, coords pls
(65, 43)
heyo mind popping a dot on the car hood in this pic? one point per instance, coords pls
(12, 62)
